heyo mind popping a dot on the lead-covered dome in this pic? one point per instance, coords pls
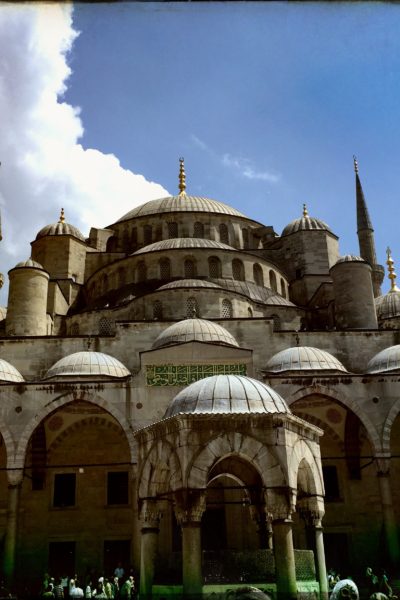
(305, 223)
(349, 258)
(222, 394)
(388, 305)
(60, 228)
(187, 283)
(181, 203)
(93, 364)
(194, 330)
(30, 264)
(182, 243)
(386, 360)
(8, 373)
(303, 358)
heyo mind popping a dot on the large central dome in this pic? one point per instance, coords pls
(181, 203)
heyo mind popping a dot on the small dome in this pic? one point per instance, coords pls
(194, 330)
(188, 283)
(88, 363)
(28, 264)
(386, 360)
(60, 228)
(388, 306)
(181, 203)
(8, 373)
(178, 243)
(303, 358)
(349, 258)
(305, 223)
(230, 394)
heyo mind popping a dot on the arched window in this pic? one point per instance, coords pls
(173, 230)
(214, 267)
(111, 244)
(121, 277)
(223, 234)
(237, 269)
(189, 268)
(226, 309)
(245, 237)
(141, 272)
(198, 230)
(157, 310)
(105, 326)
(272, 281)
(165, 268)
(277, 322)
(283, 288)
(192, 310)
(147, 235)
(75, 329)
(258, 274)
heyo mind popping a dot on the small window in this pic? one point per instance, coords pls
(105, 326)
(134, 239)
(157, 310)
(64, 490)
(118, 488)
(331, 483)
(147, 234)
(237, 270)
(226, 309)
(272, 281)
(75, 329)
(141, 272)
(214, 267)
(165, 268)
(258, 274)
(191, 308)
(198, 230)
(173, 230)
(245, 236)
(223, 233)
(190, 269)
(283, 288)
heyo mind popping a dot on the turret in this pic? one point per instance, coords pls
(365, 235)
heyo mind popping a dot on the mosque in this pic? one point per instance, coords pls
(202, 399)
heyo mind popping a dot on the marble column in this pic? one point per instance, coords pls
(319, 550)
(284, 559)
(388, 517)
(150, 517)
(10, 541)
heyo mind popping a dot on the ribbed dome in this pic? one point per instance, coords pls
(230, 394)
(194, 330)
(9, 373)
(388, 306)
(28, 263)
(60, 228)
(92, 364)
(303, 358)
(181, 203)
(386, 360)
(349, 258)
(178, 243)
(188, 283)
(304, 224)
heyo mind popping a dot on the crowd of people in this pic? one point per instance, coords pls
(377, 586)
(116, 587)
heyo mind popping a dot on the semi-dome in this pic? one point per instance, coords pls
(181, 203)
(88, 363)
(386, 360)
(60, 228)
(194, 330)
(30, 263)
(305, 223)
(349, 258)
(187, 283)
(8, 373)
(185, 243)
(303, 358)
(222, 394)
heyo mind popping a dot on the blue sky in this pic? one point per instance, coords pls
(267, 102)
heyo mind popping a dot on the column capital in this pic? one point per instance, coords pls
(281, 503)
(14, 478)
(189, 506)
(382, 462)
(150, 514)
(312, 510)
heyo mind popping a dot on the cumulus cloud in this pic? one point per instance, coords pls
(44, 167)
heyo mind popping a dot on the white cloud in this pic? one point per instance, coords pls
(244, 167)
(44, 167)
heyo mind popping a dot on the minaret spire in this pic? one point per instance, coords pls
(392, 273)
(182, 177)
(365, 233)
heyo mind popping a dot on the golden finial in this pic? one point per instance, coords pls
(62, 217)
(355, 163)
(182, 176)
(392, 274)
(305, 211)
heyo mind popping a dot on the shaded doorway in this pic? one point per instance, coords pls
(62, 558)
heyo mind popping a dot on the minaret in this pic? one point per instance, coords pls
(182, 177)
(365, 235)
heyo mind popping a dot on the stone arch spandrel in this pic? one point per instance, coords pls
(61, 401)
(246, 447)
(301, 452)
(160, 472)
(387, 426)
(9, 443)
(344, 400)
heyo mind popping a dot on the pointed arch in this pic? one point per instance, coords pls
(161, 471)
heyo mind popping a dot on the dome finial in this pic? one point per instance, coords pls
(182, 177)
(392, 274)
(355, 163)
(305, 211)
(62, 217)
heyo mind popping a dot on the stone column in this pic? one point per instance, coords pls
(136, 527)
(389, 521)
(285, 567)
(189, 511)
(319, 551)
(150, 517)
(10, 541)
